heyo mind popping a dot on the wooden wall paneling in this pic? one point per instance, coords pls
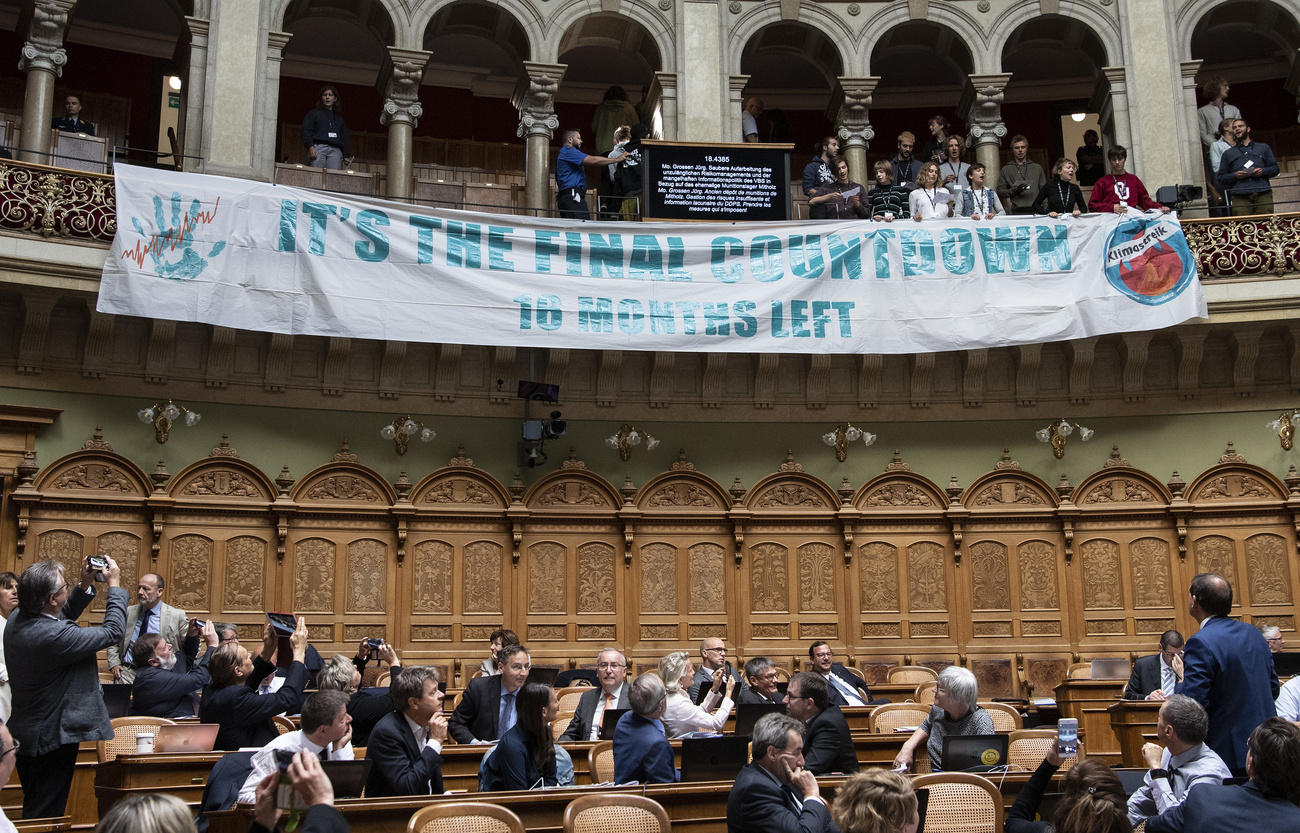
(572, 582)
(339, 569)
(793, 577)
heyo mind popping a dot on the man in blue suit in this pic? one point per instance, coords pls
(1266, 802)
(1228, 669)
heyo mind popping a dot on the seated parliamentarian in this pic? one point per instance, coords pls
(525, 757)
(490, 700)
(326, 733)
(161, 689)
(1267, 802)
(681, 716)
(405, 748)
(642, 753)
(1092, 800)
(1183, 762)
(365, 707)
(775, 794)
(1155, 675)
(762, 690)
(955, 712)
(314, 791)
(232, 699)
(876, 801)
(827, 742)
(612, 693)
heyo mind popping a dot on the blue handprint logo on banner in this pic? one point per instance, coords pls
(171, 248)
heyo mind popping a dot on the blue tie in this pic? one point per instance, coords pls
(507, 714)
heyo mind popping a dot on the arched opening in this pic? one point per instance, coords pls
(793, 67)
(601, 51)
(924, 69)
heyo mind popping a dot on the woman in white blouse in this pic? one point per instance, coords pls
(681, 716)
(930, 199)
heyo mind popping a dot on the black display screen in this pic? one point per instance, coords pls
(686, 181)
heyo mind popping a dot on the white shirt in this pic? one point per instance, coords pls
(6, 826)
(264, 760)
(1288, 700)
(849, 693)
(598, 716)
(748, 124)
(929, 202)
(682, 717)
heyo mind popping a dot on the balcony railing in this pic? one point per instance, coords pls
(59, 203)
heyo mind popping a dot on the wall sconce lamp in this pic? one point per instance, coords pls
(162, 417)
(1284, 427)
(1056, 432)
(846, 432)
(402, 429)
(627, 437)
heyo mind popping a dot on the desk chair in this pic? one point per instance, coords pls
(622, 812)
(124, 732)
(961, 802)
(464, 817)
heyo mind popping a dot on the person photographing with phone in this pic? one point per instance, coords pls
(232, 699)
(681, 716)
(775, 794)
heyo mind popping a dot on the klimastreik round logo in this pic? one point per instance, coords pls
(1148, 260)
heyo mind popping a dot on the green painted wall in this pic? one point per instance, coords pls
(301, 439)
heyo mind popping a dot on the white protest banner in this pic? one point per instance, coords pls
(253, 256)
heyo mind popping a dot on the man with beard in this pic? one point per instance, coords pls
(905, 168)
(1244, 173)
(162, 687)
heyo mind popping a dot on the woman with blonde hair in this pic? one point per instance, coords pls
(876, 801)
(148, 813)
(681, 716)
(929, 199)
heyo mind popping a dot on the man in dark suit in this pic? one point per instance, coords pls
(1266, 802)
(487, 711)
(827, 741)
(713, 657)
(762, 689)
(1228, 669)
(1153, 675)
(54, 674)
(843, 688)
(611, 673)
(642, 753)
(775, 794)
(405, 748)
(162, 687)
(71, 122)
(232, 699)
(366, 707)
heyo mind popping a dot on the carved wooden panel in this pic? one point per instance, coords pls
(63, 545)
(1152, 626)
(546, 568)
(431, 565)
(1267, 571)
(1216, 554)
(432, 633)
(453, 490)
(929, 629)
(313, 578)
(659, 632)
(96, 477)
(768, 579)
(571, 493)
(1149, 563)
(1008, 492)
(1044, 675)
(681, 493)
(245, 571)
(1040, 627)
(927, 588)
(993, 677)
(896, 494)
(595, 578)
(128, 551)
(816, 578)
(220, 483)
(1234, 486)
(1101, 576)
(343, 488)
(546, 633)
(658, 578)
(990, 576)
(1039, 587)
(878, 577)
(356, 633)
(597, 633)
(707, 578)
(367, 576)
(1118, 490)
(191, 559)
(876, 630)
(818, 630)
(482, 578)
(790, 495)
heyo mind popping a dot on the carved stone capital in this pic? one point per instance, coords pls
(984, 109)
(44, 46)
(853, 124)
(34, 56)
(399, 81)
(198, 27)
(275, 43)
(535, 98)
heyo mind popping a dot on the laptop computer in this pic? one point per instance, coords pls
(186, 737)
(609, 721)
(1287, 663)
(747, 714)
(117, 698)
(347, 777)
(974, 753)
(714, 759)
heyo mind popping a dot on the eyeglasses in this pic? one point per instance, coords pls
(6, 750)
(610, 666)
(769, 675)
(715, 650)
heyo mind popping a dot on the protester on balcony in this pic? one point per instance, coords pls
(952, 171)
(1224, 140)
(1061, 195)
(979, 202)
(1244, 173)
(1216, 109)
(72, 122)
(324, 133)
(1020, 179)
(818, 175)
(887, 200)
(936, 148)
(1119, 191)
(841, 199)
(905, 166)
(1091, 159)
(571, 180)
(930, 200)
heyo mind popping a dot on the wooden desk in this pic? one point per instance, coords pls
(183, 775)
(1134, 723)
(1087, 701)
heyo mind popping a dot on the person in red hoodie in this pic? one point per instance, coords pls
(1118, 191)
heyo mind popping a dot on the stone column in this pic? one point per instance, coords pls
(195, 91)
(702, 114)
(1159, 136)
(399, 81)
(1193, 155)
(735, 97)
(1119, 111)
(265, 151)
(853, 126)
(42, 59)
(535, 99)
(983, 109)
(666, 82)
(242, 90)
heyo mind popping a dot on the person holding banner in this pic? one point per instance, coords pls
(1118, 191)
(929, 200)
(977, 201)
(841, 199)
(819, 175)
(571, 180)
(1061, 195)
(887, 200)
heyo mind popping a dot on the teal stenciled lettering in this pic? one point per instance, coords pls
(716, 320)
(374, 249)
(721, 249)
(677, 260)
(918, 252)
(288, 226)
(746, 323)
(687, 310)
(778, 321)
(544, 247)
(661, 317)
(1053, 248)
(605, 255)
(549, 314)
(806, 259)
(631, 316)
(820, 317)
(846, 256)
(842, 309)
(958, 247)
(525, 303)
(595, 315)
(647, 260)
(799, 319)
(1004, 248)
(464, 245)
(319, 212)
(424, 227)
(499, 245)
(880, 250)
(573, 254)
(765, 259)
